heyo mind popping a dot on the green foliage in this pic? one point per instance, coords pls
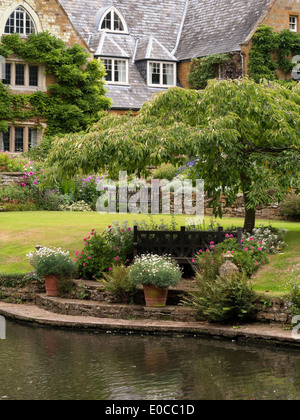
(165, 171)
(248, 141)
(75, 99)
(155, 270)
(11, 163)
(204, 69)
(290, 207)
(248, 257)
(222, 299)
(53, 262)
(117, 283)
(273, 51)
(96, 257)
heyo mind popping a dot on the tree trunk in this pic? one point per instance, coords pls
(249, 223)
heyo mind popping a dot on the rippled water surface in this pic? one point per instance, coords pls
(43, 364)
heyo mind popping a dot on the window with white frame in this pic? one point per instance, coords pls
(20, 22)
(113, 21)
(294, 23)
(161, 74)
(20, 75)
(19, 139)
(116, 71)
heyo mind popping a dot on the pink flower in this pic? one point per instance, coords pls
(116, 247)
(23, 185)
(34, 183)
(212, 242)
(260, 242)
(30, 173)
(259, 249)
(232, 252)
(193, 261)
(110, 269)
(116, 259)
(242, 240)
(256, 263)
(207, 250)
(82, 253)
(246, 249)
(200, 250)
(76, 253)
(89, 258)
(83, 264)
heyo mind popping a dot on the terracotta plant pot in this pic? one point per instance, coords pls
(155, 297)
(51, 283)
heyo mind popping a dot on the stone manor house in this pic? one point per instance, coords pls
(145, 45)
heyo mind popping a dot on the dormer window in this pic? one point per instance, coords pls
(113, 21)
(20, 22)
(161, 74)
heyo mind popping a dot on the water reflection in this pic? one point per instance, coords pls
(43, 364)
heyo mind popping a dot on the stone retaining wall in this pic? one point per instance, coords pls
(100, 304)
(7, 178)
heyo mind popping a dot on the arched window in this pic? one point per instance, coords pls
(20, 22)
(113, 21)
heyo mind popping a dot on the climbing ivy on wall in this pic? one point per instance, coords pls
(204, 69)
(272, 51)
(73, 102)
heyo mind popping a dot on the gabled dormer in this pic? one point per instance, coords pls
(109, 19)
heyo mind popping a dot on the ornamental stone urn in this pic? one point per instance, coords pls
(228, 268)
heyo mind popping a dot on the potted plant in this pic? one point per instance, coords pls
(156, 274)
(55, 266)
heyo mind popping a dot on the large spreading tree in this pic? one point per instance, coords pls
(244, 135)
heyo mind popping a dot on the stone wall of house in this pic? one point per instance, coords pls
(280, 12)
(51, 16)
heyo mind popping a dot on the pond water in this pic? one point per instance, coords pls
(45, 364)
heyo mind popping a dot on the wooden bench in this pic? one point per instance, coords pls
(182, 245)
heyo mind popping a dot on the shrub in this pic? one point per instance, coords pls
(10, 163)
(292, 302)
(290, 207)
(86, 190)
(248, 257)
(208, 264)
(270, 239)
(97, 256)
(223, 299)
(118, 284)
(165, 171)
(120, 237)
(159, 271)
(78, 206)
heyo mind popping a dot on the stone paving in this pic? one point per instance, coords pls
(268, 334)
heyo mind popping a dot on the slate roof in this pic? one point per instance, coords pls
(171, 30)
(218, 26)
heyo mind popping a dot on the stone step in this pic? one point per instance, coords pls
(90, 308)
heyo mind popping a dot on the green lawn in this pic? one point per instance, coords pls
(22, 231)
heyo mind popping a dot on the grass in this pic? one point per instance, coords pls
(22, 231)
